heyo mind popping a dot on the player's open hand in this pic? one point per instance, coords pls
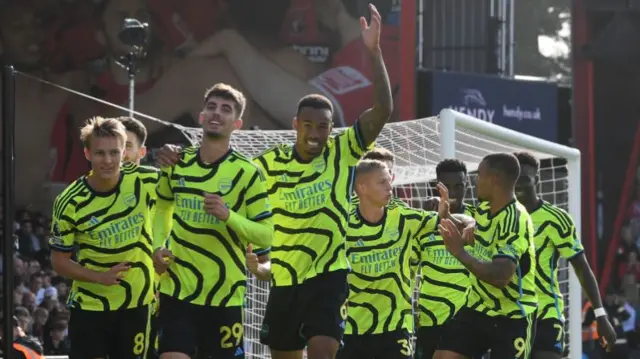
(215, 206)
(168, 155)
(452, 238)
(252, 260)
(468, 234)
(162, 258)
(607, 333)
(114, 274)
(444, 210)
(371, 31)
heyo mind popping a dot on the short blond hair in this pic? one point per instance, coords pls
(102, 127)
(368, 166)
(228, 93)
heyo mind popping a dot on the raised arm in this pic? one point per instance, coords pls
(373, 120)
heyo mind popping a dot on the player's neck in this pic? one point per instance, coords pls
(102, 185)
(370, 212)
(532, 203)
(500, 201)
(212, 149)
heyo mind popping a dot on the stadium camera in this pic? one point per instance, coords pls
(134, 33)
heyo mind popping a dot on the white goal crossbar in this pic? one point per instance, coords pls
(451, 122)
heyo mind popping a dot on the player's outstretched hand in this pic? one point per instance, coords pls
(607, 333)
(252, 260)
(162, 258)
(215, 206)
(114, 274)
(444, 210)
(452, 238)
(371, 31)
(168, 155)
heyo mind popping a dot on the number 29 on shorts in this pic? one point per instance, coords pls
(231, 336)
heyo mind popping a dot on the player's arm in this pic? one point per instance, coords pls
(62, 243)
(373, 120)
(569, 246)
(511, 245)
(257, 226)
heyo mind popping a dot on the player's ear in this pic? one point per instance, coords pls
(294, 123)
(238, 124)
(537, 180)
(142, 151)
(87, 154)
(201, 118)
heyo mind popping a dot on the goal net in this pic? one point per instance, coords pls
(418, 146)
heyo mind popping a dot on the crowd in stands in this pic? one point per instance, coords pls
(622, 301)
(39, 294)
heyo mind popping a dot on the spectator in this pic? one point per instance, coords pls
(629, 277)
(24, 318)
(37, 287)
(58, 343)
(40, 318)
(628, 243)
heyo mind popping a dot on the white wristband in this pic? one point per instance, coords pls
(600, 312)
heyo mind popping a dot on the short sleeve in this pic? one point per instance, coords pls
(164, 191)
(513, 236)
(62, 227)
(352, 146)
(565, 236)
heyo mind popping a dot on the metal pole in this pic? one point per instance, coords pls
(8, 125)
(132, 69)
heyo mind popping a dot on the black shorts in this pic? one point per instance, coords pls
(297, 313)
(427, 341)
(392, 345)
(471, 333)
(208, 332)
(550, 336)
(115, 334)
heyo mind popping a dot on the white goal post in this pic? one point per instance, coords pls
(454, 125)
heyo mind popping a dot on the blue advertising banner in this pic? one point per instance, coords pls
(524, 106)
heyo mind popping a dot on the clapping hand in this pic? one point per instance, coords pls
(453, 240)
(444, 209)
